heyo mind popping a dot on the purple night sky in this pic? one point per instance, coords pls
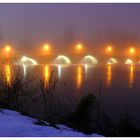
(64, 24)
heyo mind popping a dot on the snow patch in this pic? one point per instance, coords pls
(13, 124)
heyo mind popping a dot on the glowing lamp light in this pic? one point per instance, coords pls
(65, 58)
(79, 47)
(132, 50)
(25, 59)
(108, 63)
(46, 47)
(90, 58)
(7, 48)
(129, 62)
(112, 61)
(109, 49)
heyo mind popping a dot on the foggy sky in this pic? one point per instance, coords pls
(65, 24)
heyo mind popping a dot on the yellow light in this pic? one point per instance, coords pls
(8, 73)
(46, 50)
(109, 49)
(131, 76)
(79, 76)
(46, 74)
(108, 63)
(7, 48)
(132, 50)
(79, 46)
(46, 47)
(109, 75)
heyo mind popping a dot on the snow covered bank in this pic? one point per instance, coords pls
(13, 124)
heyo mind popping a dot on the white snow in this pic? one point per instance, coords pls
(14, 124)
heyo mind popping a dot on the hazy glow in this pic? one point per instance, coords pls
(132, 50)
(129, 62)
(109, 49)
(46, 50)
(79, 47)
(46, 47)
(109, 75)
(131, 76)
(7, 49)
(79, 77)
(8, 73)
(25, 59)
(112, 61)
(90, 59)
(65, 58)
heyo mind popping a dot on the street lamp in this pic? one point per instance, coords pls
(79, 48)
(132, 51)
(109, 49)
(7, 49)
(46, 49)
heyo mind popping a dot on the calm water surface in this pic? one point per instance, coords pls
(120, 85)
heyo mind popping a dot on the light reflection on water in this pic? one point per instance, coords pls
(131, 76)
(86, 70)
(24, 70)
(80, 73)
(59, 69)
(8, 73)
(109, 75)
(46, 74)
(117, 82)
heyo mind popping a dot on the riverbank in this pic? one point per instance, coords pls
(13, 124)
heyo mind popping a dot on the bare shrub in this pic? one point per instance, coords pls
(13, 89)
(81, 118)
(47, 87)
